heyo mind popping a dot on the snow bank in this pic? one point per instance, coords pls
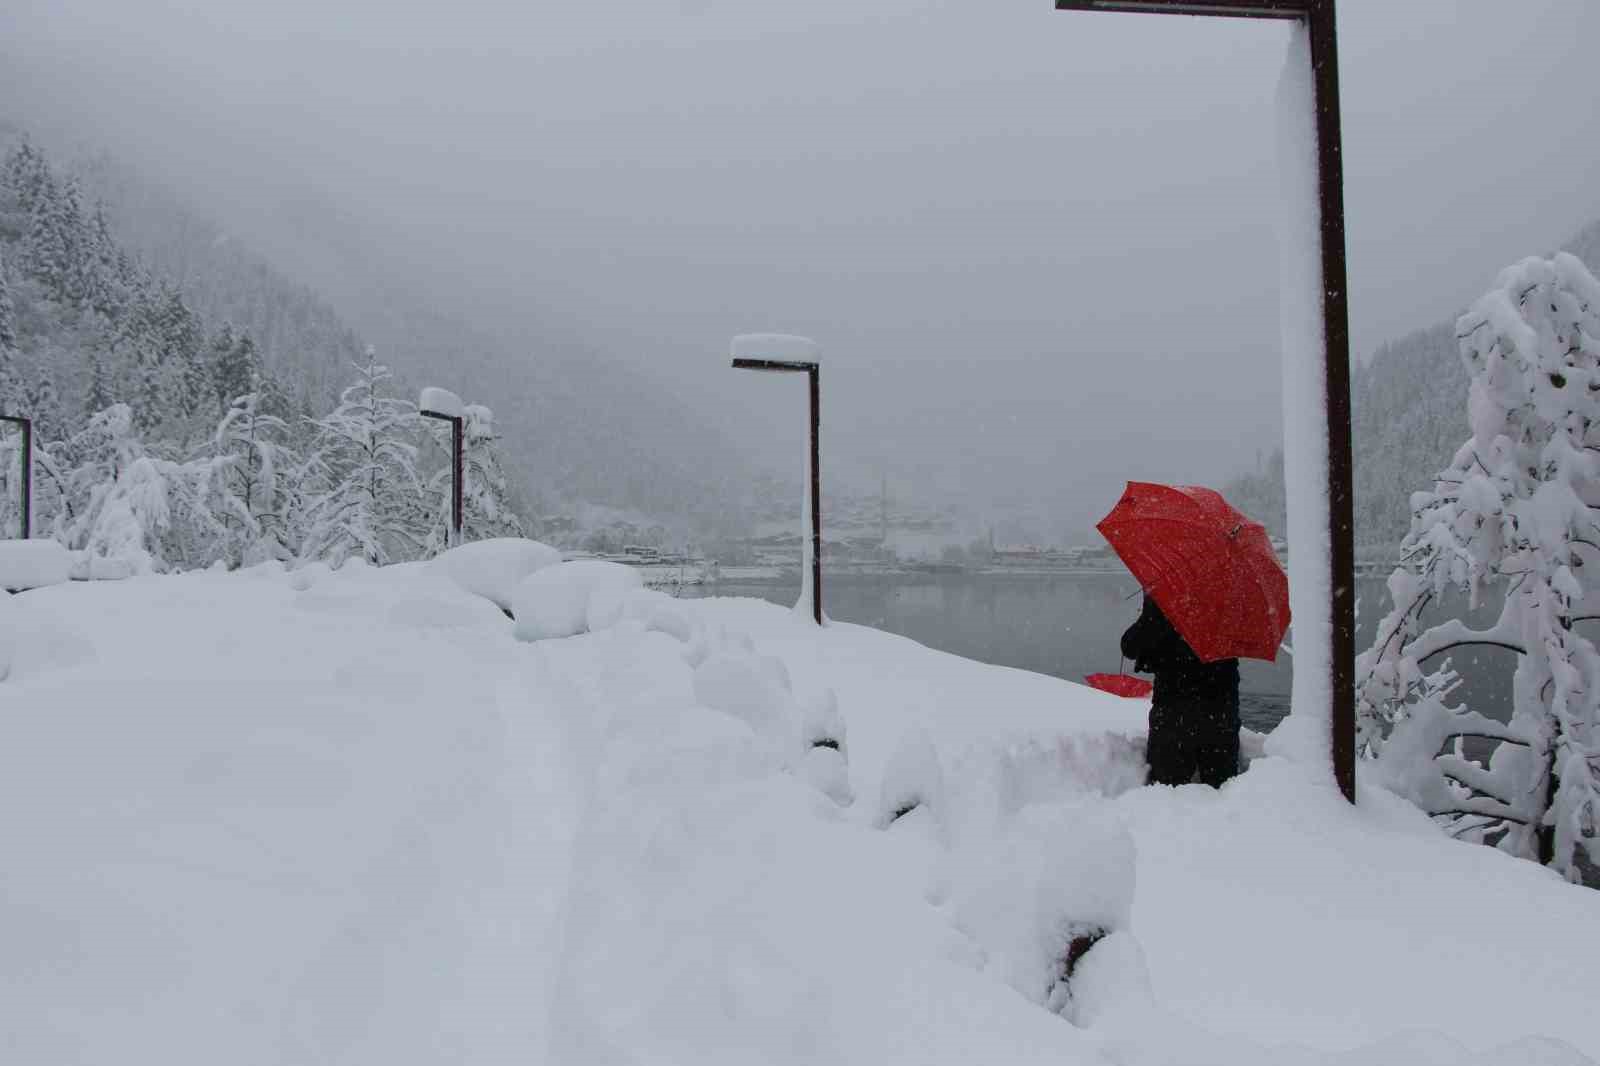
(250, 831)
(34, 640)
(571, 598)
(28, 564)
(784, 347)
(441, 401)
(912, 779)
(358, 822)
(493, 568)
(755, 690)
(87, 566)
(1053, 874)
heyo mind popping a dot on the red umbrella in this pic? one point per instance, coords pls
(1121, 685)
(1211, 570)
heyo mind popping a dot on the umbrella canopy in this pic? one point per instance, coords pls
(1121, 685)
(1211, 570)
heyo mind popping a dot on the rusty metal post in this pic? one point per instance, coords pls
(1318, 17)
(457, 511)
(27, 471)
(1336, 341)
(815, 375)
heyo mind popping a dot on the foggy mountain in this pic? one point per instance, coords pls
(1408, 417)
(577, 429)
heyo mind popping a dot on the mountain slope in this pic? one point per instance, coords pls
(1408, 417)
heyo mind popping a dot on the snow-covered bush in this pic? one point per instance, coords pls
(1053, 874)
(1518, 509)
(253, 494)
(912, 779)
(572, 598)
(103, 493)
(494, 568)
(755, 690)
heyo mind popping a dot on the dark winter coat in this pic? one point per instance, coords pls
(1194, 711)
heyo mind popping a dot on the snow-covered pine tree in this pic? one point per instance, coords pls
(42, 403)
(367, 496)
(101, 492)
(487, 509)
(252, 494)
(53, 247)
(1518, 509)
(98, 395)
(27, 175)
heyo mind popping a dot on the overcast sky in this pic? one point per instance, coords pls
(1037, 247)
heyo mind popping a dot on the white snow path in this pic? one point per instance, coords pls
(276, 826)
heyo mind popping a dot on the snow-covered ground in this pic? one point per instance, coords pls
(347, 817)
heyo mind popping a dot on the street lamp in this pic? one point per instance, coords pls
(27, 471)
(803, 353)
(446, 407)
(1316, 19)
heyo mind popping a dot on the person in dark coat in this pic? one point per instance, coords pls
(1194, 712)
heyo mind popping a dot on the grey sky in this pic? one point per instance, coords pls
(1036, 246)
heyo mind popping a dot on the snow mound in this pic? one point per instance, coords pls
(571, 598)
(753, 689)
(31, 564)
(1054, 873)
(493, 568)
(304, 577)
(781, 346)
(34, 640)
(86, 566)
(441, 401)
(912, 778)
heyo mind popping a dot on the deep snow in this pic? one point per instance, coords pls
(346, 817)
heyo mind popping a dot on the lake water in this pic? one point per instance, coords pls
(1069, 625)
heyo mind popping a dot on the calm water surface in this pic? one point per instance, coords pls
(1069, 625)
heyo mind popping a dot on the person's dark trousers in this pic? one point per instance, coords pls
(1186, 741)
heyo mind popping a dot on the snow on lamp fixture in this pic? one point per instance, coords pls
(446, 406)
(1316, 360)
(27, 472)
(782, 353)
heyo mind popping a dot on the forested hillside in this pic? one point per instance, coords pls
(168, 439)
(1409, 415)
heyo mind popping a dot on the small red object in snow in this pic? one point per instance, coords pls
(1121, 685)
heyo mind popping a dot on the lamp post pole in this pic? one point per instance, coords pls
(813, 372)
(1317, 17)
(27, 471)
(455, 472)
